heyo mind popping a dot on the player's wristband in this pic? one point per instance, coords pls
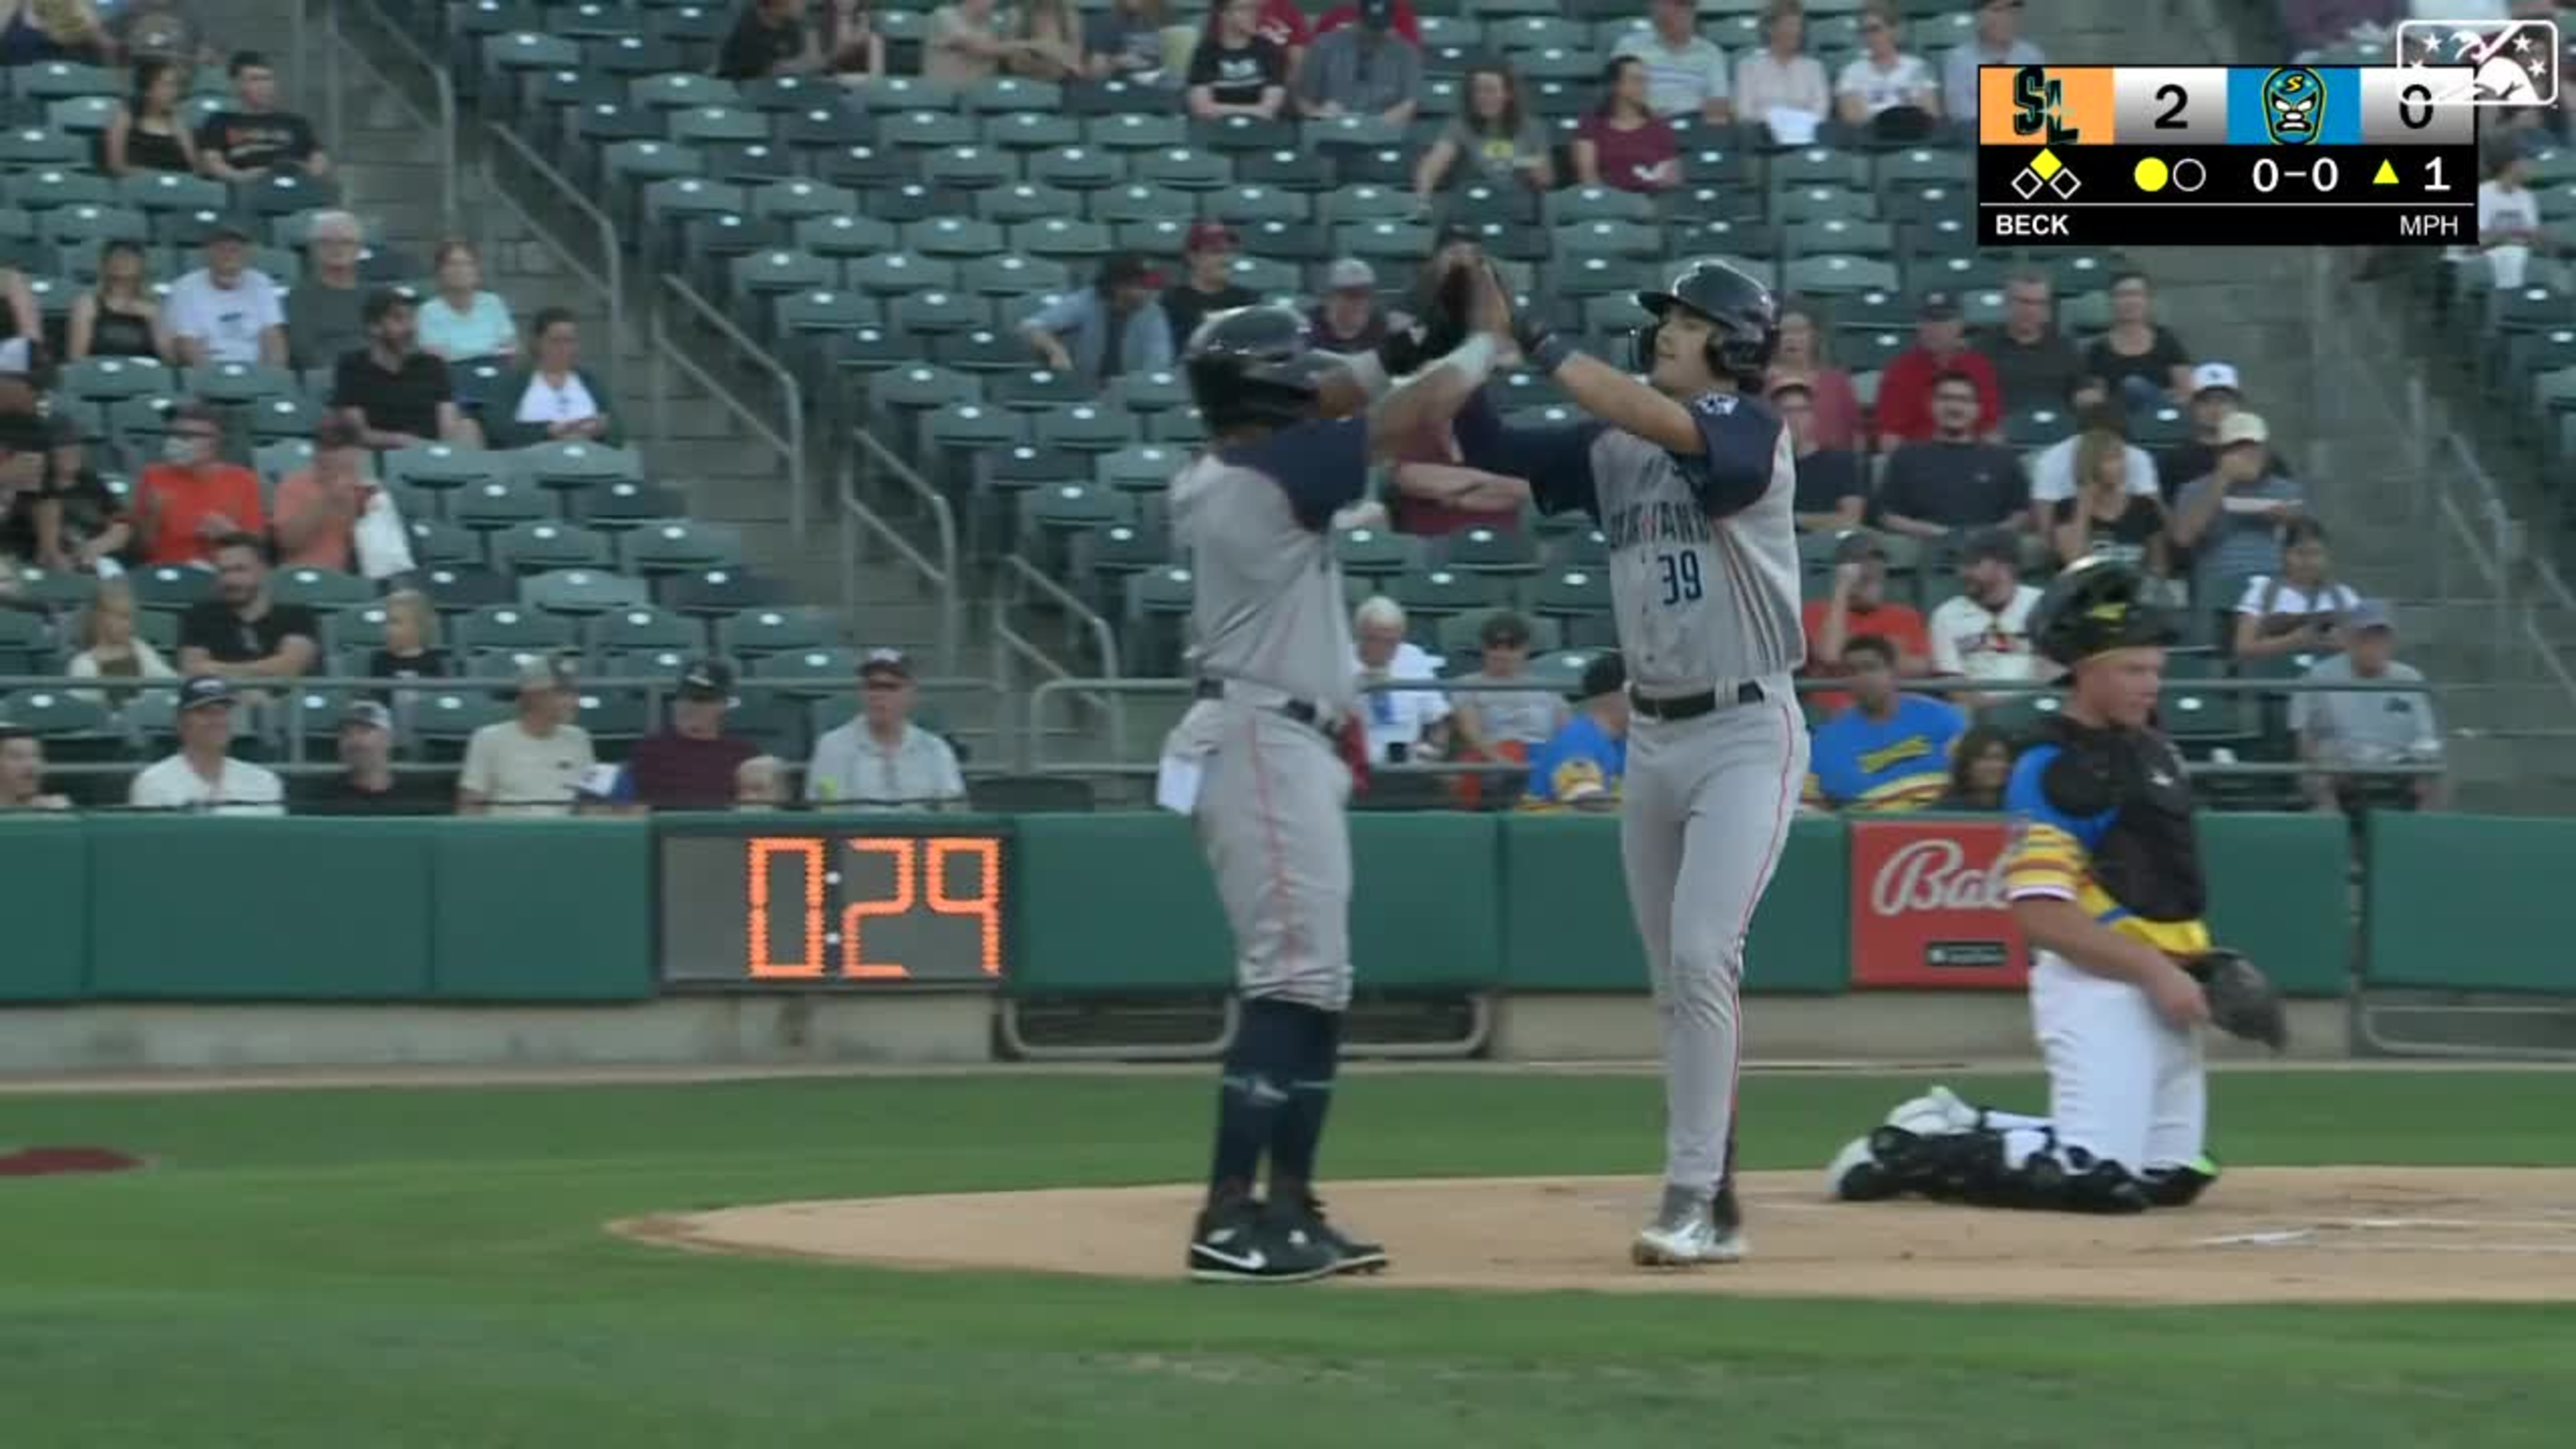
(1474, 357)
(1370, 374)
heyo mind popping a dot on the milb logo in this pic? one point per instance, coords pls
(2512, 62)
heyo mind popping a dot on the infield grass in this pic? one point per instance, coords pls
(389, 1269)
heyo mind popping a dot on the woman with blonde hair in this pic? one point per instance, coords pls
(2104, 516)
(110, 649)
(410, 649)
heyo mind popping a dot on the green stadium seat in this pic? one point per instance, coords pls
(1021, 132)
(1510, 552)
(820, 670)
(546, 544)
(625, 503)
(441, 468)
(1139, 467)
(61, 592)
(771, 631)
(679, 546)
(1429, 594)
(498, 503)
(1026, 201)
(445, 720)
(917, 132)
(1083, 428)
(1377, 553)
(516, 626)
(644, 628)
(320, 589)
(167, 586)
(567, 465)
(901, 274)
(1008, 274)
(436, 543)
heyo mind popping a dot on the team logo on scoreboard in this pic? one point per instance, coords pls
(2511, 62)
(2294, 105)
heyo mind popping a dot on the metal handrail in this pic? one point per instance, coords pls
(942, 575)
(789, 445)
(612, 250)
(1016, 573)
(443, 125)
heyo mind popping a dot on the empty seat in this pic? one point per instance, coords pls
(678, 545)
(770, 631)
(530, 548)
(515, 626)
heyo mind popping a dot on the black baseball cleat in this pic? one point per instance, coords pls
(1353, 1255)
(1240, 1242)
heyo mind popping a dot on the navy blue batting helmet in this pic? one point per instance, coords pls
(1254, 365)
(1746, 313)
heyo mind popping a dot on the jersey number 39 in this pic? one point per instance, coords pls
(1681, 577)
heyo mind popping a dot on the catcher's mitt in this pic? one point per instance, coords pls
(2242, 1000)
(1441, 327)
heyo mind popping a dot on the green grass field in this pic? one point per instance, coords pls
(388, 1269)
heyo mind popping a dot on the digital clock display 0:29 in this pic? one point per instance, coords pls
(854, 906)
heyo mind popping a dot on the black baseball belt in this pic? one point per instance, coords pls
(1306, 712)
(1676, 708)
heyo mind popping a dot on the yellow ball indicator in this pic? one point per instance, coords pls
(2151, 174)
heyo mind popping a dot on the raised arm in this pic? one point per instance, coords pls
(1728, 448)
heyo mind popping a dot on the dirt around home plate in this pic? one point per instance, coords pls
(2261, 1235)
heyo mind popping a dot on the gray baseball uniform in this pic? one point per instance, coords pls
(1704, 580)
(1272, 644)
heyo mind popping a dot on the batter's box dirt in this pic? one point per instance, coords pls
(2261, 1235)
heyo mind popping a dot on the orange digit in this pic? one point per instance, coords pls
(852, 965)
(756, 960)
(985, 905)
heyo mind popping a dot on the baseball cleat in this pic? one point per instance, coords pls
(1351, 1254)
(1685, 1234)
(1238, 1242)
(1856, 1175)
(1935, 1113)
(1727, 1243)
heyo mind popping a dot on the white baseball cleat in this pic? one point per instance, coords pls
(1937, 1113)
(1690, 1230)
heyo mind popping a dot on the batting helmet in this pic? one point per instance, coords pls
(2096, 605)
(1746, 314)
(1254, 365)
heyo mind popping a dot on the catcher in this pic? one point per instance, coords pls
(2104, 878)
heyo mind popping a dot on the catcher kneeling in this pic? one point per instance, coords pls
(2104, 878)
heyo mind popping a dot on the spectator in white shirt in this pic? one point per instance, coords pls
(227, 310)
(1984, 633)
(2300, 609)
(2509, 234)
(534, 763)
(882, 760)
(1998, 42)
(2053, 477)
(1403, 724)
(1686, 72)
(1884, 93)
(1781, 77)
(1507, 722)
(204, 776)
(554, 398)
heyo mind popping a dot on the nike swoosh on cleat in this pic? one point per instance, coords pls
(1252, 1262)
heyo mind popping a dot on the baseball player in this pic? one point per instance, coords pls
(2104, 878)
(1691, 481)
(1276, 690)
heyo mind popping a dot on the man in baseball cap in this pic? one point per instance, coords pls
(691, 765)
(533, 763)
(1207, 281)
(367, 783)
(882, 760)
(228, 310)
(203, 775)
(2217, 393)
(1940, 349)
(1580, 766)
(1109, 329)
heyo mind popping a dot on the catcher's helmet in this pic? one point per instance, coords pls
(1746, 314)
(1254, 365)
(2096, 605)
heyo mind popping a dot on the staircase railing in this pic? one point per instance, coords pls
(786, 440)
(608, 278)
(862, 462)
(337, 47)
(1015, 582)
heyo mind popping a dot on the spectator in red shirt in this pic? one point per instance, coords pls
(1856, 606)
(1624, 144)
(1940, 346)
(691, 765)
(1404, 20)
(191, 499)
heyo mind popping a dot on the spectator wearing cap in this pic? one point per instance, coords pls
(2344, 734)
(1207, 284)
(882, 760)
(1956, 479)
(691, 765)
(2217, 393)
(1349, 318)
(241, 632)
(254, 136)
(1686, 73)
(1236, 70)
(1983, 632)
(2142, 359)
(1940, 348)
(2299, 609)
(1622, 143)
(1362, 70)
(2110, 513)
(227, 310)
(1832, 491)
(366, 782)
(1886, 93)
(1998, 41)
(1401, 724)
(534, 762)
(1889, 750)
(1109, 329)
(554, 397)
(2035, 365)
(1803, 356)
(1508, 715)
(326, 311)
(771, 38)
(203, 775)
(1581, 765)
(318, 505)
(22, 773)
(1857, 604)
(1779, 85)
(2054, 472)
(396, 395)
(192, 498)
(1493, 134)
(2232, 519)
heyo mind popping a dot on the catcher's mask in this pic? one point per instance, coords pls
(1747, 316)
(1254, 365)
(2096, 605)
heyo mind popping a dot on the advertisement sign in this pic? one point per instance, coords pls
(1927, 906)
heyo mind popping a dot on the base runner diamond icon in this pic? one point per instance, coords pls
(2064, 185)
(2025, 183)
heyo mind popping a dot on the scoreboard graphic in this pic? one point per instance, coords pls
(2291, 155)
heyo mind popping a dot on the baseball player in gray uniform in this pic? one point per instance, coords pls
(1272, 654)
(1691, 481)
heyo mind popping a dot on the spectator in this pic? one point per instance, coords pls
(461, 321)
(55, 512)
(318, 505)
(1050, 41)
(1980, 766)
(1581, 765)
(203, 775)
(760, 783)
(119, 317)
(241, 633)
(2231, 519)
(1997, 42)
(1780, 86)
(228, 310)
(22, 773)
(161, 30)
(2144, 362)
(110, 649)
(771, 38)
(2345, 734)
(1362, 70)
(1906, 386)
(1349, 318)
(1405, 22)
(146, 133)
(1623, 143)
(1885, 93)
(2108, 513)
(2216, 394)
(37, 31)
(366, 782)
(693, 764)
(852, 48)
(1125, 42)
(192, 499)
(1801, 358)
(2509, 225)
(1281, 22)
(1957, 480)
(1113, 327)
(1857, 604)
(1686, 72)
(1832, 492)
(409, 649)
(1236, 71)
(532, 763)
(20, 316)
(326, 311)
(1402, 724)
(252, 136)
(1505, 723)
(882, 760)
(396, 395)
(1890, 750)
(2054, 473)
(2299, 610)
(1207, 283)
(1498, 141)
(2035, 365)
(554, 397)
(1983, 632)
